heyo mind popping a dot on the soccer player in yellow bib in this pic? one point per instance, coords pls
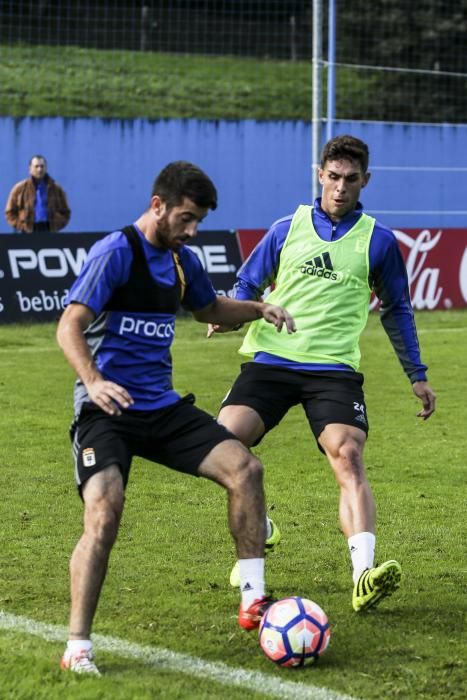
(323, 263)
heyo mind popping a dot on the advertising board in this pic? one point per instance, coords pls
(37, 271)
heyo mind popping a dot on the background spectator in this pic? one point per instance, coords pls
(37, 204)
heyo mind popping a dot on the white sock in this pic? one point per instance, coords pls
(362, 552)
(251, 580)
(74, 646)
(268, 528)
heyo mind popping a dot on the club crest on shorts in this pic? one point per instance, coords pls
(89, 457)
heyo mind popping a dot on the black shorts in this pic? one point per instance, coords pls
(178, 436)
(327, 397)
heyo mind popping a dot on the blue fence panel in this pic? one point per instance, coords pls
(262, 169)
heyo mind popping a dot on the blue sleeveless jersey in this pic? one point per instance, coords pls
(132, 347)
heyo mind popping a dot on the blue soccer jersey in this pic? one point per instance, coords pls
(131, 346)
(388, 277)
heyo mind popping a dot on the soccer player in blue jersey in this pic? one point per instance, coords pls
(323, 262)
(116, 333)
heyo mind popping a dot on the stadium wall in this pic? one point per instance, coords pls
(262, 169)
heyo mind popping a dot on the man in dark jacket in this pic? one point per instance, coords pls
(37, 204)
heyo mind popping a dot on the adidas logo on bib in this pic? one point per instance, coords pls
(321, 266)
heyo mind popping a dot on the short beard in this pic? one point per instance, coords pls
(163, 232)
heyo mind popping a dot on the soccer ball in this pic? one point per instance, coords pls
(294, 632)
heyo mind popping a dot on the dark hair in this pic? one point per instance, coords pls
(181, 179)
(38, 156)
(348, 147)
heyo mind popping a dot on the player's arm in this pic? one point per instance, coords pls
(389, 279)
(106, 268)
(258, 272)
(71, 339)
(230, 313)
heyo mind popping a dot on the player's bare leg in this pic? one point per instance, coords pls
(243, 422)
(357, 511)
(343, 445)
(103, 497)
(247, 425)
(232, 466)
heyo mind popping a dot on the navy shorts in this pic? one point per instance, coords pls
(327, 396)
(179, 436)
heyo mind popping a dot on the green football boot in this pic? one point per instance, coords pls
(270, 543)
(375, 584)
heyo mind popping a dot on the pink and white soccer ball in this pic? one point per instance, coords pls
(294, 632)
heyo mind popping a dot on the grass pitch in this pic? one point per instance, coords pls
(67, 81)
(167, 584)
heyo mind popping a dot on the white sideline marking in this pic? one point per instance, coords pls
(179, 663)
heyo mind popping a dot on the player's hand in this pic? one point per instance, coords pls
(110, 397)
(427, 396)
(220, 328)
(278, 317)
